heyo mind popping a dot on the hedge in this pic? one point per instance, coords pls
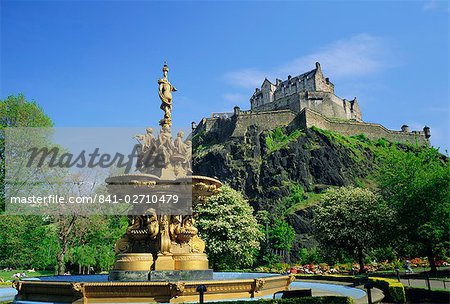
(304, 300)
(393, 290)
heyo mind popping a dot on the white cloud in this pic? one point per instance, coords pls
(235, 97)
(360, 55)
(247, 78)
(357, 56)
(416, 126)
(436, 5)
(430, 5)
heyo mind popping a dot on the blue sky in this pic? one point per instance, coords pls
(96, 63)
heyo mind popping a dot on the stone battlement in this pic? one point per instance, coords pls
(308, 118)
(237, 124)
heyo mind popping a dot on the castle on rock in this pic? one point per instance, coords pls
(304, 101)
(310, 90)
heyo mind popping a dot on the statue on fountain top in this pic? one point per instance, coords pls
(165, 94)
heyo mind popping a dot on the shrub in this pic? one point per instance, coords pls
(392, 289)
(5, 284)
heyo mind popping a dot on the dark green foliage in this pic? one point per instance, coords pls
(416, 185)
(281, 235)
(308, 256)
(27, 241)
(422, 295)
(352, 220)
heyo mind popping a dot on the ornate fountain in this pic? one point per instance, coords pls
(160, 257)
(163, 246)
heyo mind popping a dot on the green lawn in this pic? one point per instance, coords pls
(7, 275)
(313, 198)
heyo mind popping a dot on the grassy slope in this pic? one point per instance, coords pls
(7, 275)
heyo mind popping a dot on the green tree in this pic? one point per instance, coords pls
(230, 230)
(417, 185)
(92, 243)
(25, 241)
(16, 111)
(352, 220)
(281, 235)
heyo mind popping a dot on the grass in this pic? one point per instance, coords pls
(277, 139)
(7, 275)
(311, 199)
(201, 150)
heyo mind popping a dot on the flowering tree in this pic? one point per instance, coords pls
(352, 220)
(230, 230)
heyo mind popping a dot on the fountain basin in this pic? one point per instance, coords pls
(97, 289)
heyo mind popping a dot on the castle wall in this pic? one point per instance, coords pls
(264, 120)
(308, 118)
(323, 102)
(236, 126)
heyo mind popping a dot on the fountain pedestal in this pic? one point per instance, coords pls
(164, 262)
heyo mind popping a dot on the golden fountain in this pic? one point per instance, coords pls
(160, 257)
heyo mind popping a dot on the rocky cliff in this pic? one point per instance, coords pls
(266, 165)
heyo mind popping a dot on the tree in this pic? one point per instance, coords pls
(230, 230)
(16, 111)
(24, 240)
(92, 241)
(352, 220)
(416, 185)
(281, 235)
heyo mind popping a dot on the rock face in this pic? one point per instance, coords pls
(247, 164)
(264, 173)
